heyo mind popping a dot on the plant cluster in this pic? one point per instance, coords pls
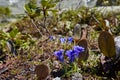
(72, 54)
(69, 52)
(4, 11)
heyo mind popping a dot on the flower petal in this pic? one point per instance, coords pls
(52, 38)
(71, 56)
(59, 55)
(62, 40)
(78, 48)
(70, 39)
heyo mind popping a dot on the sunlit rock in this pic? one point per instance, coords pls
(13, 2)
(117, 45)
(77, 76)
(57, 78)
(77, 31)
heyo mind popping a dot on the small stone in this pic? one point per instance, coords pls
(57, 78)
(77, 76)
(56, 64)
(77, 31)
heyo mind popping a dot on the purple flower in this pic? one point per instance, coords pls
(62, 40)
(78, 48)
(59, 55)
(52, 38)
(70, 39)
(71, 55)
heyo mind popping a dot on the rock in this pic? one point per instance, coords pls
(56, 64)
(77, 76)
(11, 47)
(117, 45)
(77, 32)
(57, 78)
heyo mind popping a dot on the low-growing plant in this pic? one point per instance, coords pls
(4, 11)
(14, 40)
(68, 56)
(45, 8)
(72, 58)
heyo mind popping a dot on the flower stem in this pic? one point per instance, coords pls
(75, 67)
(65, 67)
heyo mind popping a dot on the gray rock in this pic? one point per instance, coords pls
(77, 31)
(91, 3)
(77, 76)
(57, 78)
(117, 45)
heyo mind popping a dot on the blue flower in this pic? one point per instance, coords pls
(62, 40)
(59, 55)
(52, 38)
(71, 55)
(70, 39)
(78, 48)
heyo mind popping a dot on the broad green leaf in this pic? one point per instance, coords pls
(38, 10)
(27, 9)
(13, 33)
(44, 3)
(50, 5)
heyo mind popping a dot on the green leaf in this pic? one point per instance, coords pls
(38, 10)
(13, 33)
(50, 5)
(53, 10)
(32, 4)
(44, 3)
(27, 9)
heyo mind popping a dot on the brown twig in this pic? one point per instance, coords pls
(33, 22)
